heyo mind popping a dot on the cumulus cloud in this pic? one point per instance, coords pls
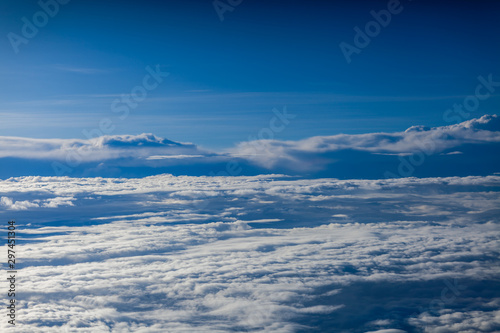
(9, 204)
(96, 149)
(449, 321)
(314, 152)
(418, 151)
(483, 130)
(211, 254)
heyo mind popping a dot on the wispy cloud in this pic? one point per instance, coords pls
(82, 70)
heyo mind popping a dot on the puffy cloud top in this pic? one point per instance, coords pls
(255, 254)
(133, 141)
(440, 151)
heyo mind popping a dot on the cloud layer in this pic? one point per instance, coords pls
(468, 148)
(256, 254)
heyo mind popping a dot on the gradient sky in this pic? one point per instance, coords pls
(227, 76)
(346, 222)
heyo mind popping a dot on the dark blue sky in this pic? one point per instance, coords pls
(227, 76)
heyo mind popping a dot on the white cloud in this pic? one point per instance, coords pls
(449, 321)
(10, 204)
(97, 149)
(309, 154)
(340, 155)
(148, 261)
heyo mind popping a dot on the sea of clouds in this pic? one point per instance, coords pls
(268, 253)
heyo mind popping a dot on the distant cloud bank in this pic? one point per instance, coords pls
(468, 148)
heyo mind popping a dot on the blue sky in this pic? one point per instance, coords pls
(252, 178)
(227, 76)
